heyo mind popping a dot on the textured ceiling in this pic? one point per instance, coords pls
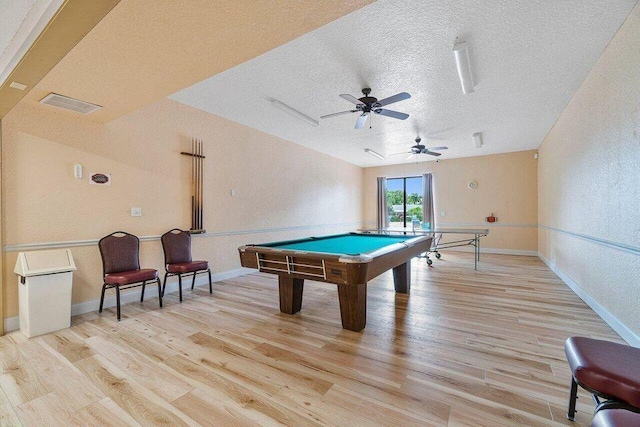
(12, 15)
(143, 51)
(528, 58)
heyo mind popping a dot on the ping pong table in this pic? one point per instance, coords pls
(438, 243)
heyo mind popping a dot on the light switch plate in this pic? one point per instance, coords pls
(136, 211)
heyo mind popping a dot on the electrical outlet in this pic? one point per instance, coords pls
(136, 211)
(232, 192)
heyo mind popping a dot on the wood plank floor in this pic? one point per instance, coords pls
(478, 348)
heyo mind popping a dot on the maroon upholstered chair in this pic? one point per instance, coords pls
(607, 370)
(121, 266)
(176, 245)
(615, 418)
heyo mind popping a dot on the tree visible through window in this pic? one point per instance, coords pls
(404, 200)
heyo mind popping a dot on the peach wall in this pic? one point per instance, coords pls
(507, 187)
(2, 310)
(589, 188)
(283, 190)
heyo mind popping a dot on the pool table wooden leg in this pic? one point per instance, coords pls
(290, 294)
(402, 278)
(353, 306)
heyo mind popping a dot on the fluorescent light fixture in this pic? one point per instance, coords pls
(295, 113)
(374, 153)
(477, 139)
(461, 53)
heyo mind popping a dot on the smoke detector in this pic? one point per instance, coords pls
(67, 103)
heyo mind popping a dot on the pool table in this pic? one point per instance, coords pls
(347, 260)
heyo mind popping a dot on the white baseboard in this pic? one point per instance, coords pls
(520, 252)
(151, 291)
(11, 324)
(493, 251)
(623, 330)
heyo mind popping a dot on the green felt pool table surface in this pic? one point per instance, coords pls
(349, 244)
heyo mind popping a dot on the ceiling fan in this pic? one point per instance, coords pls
(421, 149)
(368, 104)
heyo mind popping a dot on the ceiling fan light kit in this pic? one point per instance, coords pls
(477, 139)
(461, 53)
(374, 153)
(295, 113)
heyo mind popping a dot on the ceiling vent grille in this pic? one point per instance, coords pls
(69, 103)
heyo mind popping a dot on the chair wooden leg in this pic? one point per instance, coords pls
(118, 301)
(104, 288)
(180, 286)
(573, 395)
(165, 283)
(160, 292)
(193, 282)
(142, 293)
(210, 284)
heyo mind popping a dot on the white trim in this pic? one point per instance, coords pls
(625, 332)
(521, 252)
(92, 242)
(13, 323)
(443, 224)
(635, 250)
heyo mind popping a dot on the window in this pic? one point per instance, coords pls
(404, 200)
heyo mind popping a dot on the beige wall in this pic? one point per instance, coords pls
(589, 188)
(283, 190)
(507, 187)
(1, 240)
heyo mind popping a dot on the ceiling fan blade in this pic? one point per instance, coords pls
(391, 113)
(395, 98)
(338, 114)
(410, 156)
(404, 152)
(431, 153)
(351, 98)
(361, 120)
(438, 148)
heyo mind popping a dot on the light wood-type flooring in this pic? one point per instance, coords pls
(477, 348)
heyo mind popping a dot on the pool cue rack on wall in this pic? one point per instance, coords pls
(197, 185)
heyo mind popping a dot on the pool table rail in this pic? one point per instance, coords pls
(318, 266)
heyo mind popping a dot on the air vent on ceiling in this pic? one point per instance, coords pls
(69, 103)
